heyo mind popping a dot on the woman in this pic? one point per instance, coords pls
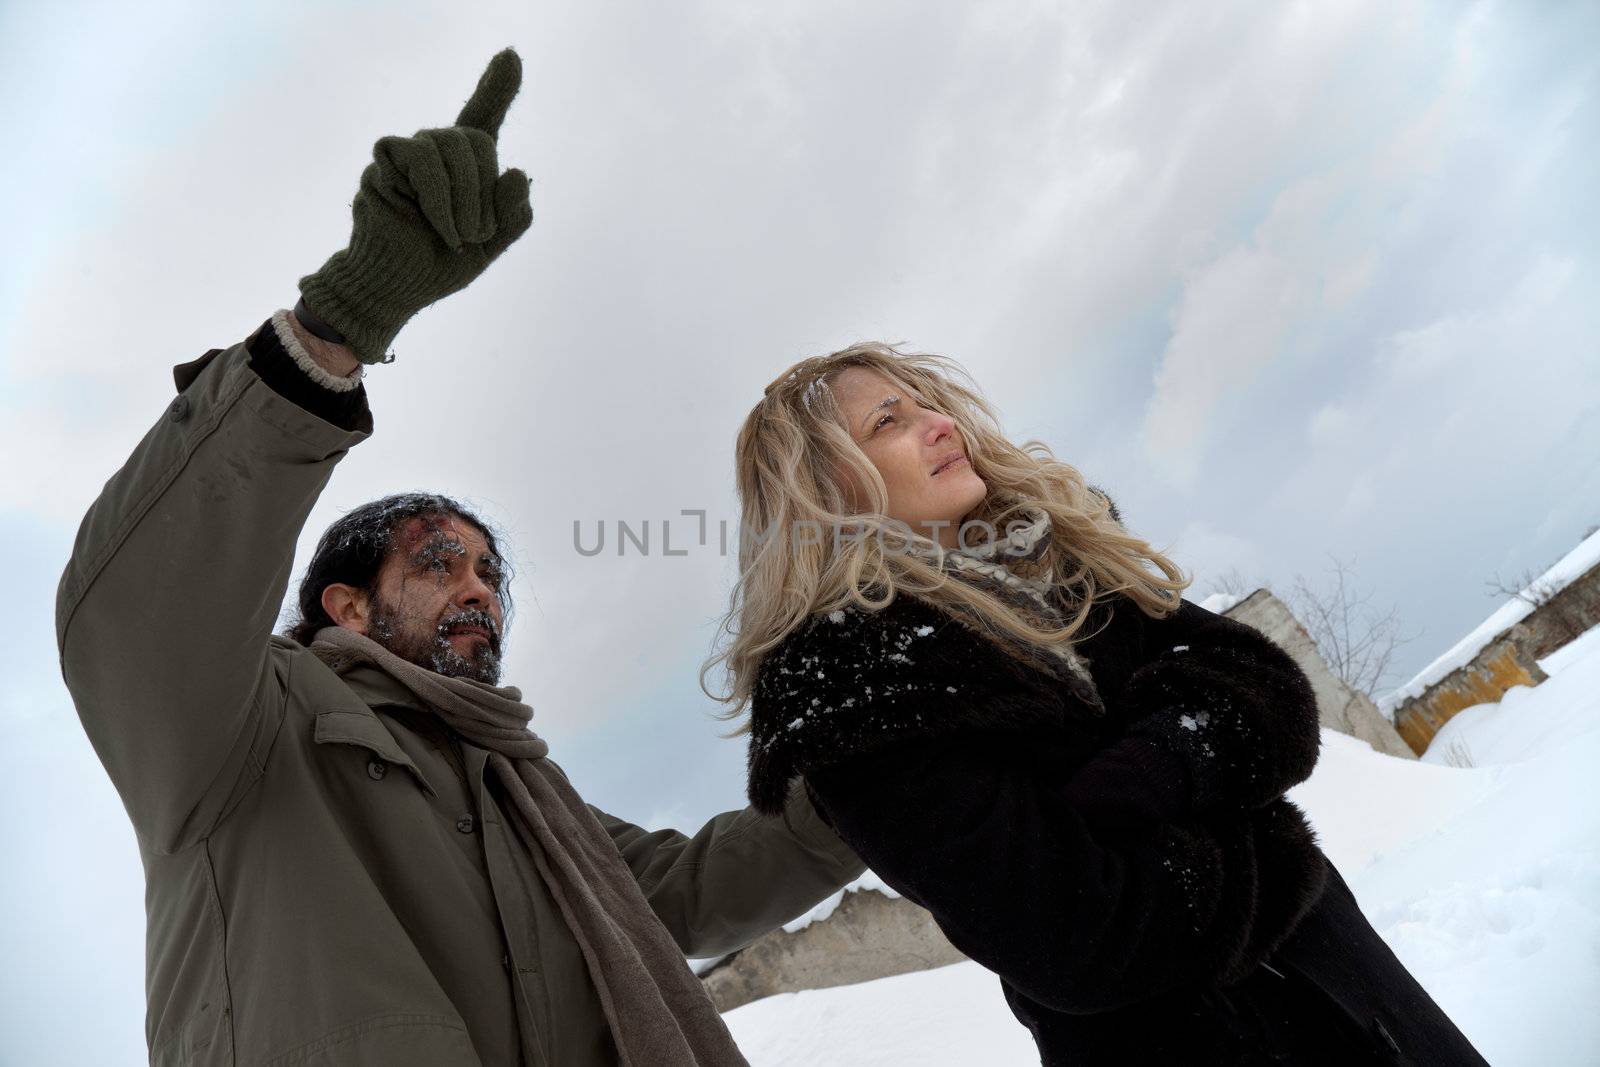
(997, 696)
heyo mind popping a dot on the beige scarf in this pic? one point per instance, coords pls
(658, 1010)
(990, 565)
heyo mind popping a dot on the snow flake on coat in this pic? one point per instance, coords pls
(852, 680)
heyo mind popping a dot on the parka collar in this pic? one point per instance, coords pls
(377, 688)
(359, 724)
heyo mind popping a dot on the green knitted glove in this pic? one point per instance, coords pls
(432, 212)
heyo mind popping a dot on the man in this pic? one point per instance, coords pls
(355, 850)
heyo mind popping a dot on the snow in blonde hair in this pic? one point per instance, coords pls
(807, 548)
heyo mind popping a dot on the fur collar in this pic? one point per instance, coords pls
(855, 680)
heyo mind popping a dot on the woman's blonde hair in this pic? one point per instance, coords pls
(806, 547)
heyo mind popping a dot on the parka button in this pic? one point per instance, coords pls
(377, 769)
(179, 409)
(465, 824)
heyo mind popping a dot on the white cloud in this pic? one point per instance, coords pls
(1211, 555)
(1232, 323)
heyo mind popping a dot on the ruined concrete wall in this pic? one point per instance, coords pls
(868, 936)
(1339, 707)
(1510, 659)
(1503, 663)
(1564, 617)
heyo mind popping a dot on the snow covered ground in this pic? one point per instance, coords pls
(1484, 879)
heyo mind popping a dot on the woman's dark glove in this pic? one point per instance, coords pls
(1232, 710)
(1219, 720)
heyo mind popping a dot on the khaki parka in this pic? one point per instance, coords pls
(330, 878)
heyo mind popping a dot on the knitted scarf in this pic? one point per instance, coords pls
(658, 1010)
(989, 565)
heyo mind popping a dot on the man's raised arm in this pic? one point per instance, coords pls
(165, 612)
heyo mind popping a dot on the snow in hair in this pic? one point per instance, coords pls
(797, 463)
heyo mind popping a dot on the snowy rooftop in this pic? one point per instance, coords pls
(1571, 567)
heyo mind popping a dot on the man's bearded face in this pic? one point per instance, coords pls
(436, 602)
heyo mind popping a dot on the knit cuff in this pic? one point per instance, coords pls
(368, 305)
(302, 358)
(277, 369)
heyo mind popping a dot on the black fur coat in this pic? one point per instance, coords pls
(1131, 871)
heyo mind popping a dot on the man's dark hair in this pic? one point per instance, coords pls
(353, 549)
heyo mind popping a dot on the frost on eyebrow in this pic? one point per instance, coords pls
(493, 570)
(444, 545)
(439, 546)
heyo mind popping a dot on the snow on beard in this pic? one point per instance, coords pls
(408, 638)
(427, 644)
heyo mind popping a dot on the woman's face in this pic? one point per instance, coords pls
(919, 453)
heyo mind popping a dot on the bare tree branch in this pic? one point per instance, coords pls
(1234, 583)
(1357, 640)
(1527, 588)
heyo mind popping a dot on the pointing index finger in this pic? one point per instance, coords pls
(496, 89)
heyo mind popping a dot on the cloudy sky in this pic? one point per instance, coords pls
(1290, 280)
